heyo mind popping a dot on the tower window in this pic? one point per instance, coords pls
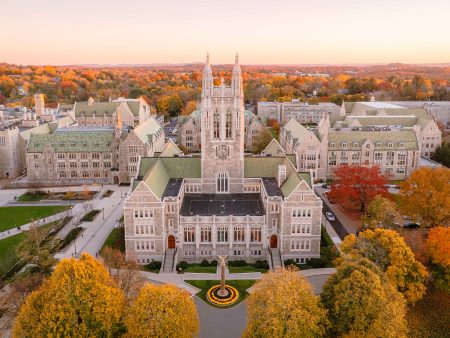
(228, 125)
(222, 182)
(216, 125)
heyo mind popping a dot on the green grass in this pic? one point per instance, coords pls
(70, 237)
(246, 268)
(115, 239)
(11, 217)
(32, 197)
(8, 256)
(199, 268)
(205, 285)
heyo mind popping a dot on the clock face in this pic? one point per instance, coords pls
(222, 152)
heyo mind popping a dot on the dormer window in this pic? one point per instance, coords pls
(402, 144)
(356, 145)
(378, 145)
(390, 145)
(368, 145)
(344, 145)
(331, 145)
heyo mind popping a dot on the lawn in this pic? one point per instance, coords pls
(205, 285)
(430, 316)
(246, 268)
(11, 217)
(8, 255)
(199, 268)
(62, 196)
(115, 239)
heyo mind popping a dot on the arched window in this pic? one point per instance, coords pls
(222, 182)
(216, 124)
(228, 133)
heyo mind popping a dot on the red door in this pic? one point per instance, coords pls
(273, 241)
(171, 242)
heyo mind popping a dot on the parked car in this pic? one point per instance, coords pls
(330, 216)
(325, 186)
(411, 225)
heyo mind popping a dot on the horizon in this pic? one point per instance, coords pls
(287, 32)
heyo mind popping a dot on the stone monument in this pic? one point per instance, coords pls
(223, 292)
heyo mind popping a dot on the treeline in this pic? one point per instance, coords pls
(174, 90)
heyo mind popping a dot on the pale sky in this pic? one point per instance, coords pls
(263, 32)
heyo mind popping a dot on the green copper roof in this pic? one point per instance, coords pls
(104, 108)
(274, 149)
(73, 141)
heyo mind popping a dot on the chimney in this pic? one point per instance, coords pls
(90, 102)
(281, 174)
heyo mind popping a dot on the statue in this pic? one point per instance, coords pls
(222, 292)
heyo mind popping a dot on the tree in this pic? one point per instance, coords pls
(162, 311)
(262, 141)
(388, 250)
(283, 304)
(36, 249)
(381, 212)
(189, 108)
(425, 196)
(78, 300)
(355, 185)
(362, 303)
(438, 249)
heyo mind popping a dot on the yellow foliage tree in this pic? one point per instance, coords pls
(78, 300)
(388, 250)
(361, 302)
(282, 304)
(162, 311)
(438, 248)
(381, 212)
(425, 196)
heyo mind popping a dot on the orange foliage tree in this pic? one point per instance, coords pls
(438, 248)
(357, 186)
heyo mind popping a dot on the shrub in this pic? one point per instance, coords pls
(154, 265)
(288, 262)
(316, 263)
(262, 264)
(183, 265)
(213, 262)
(70, 237)
(237, 263)
(204, 263)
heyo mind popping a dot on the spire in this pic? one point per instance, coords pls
(236, 59)
(207, 78)
(236, 80)
(207, 59)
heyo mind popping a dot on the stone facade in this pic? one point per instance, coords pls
(9, 149)
(302, 112)
(189, 208)
(189, 131)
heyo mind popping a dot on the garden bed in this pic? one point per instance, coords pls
(89, 217)
(242, 266)
(70, 237)
(57, 195)
(107, 193)
(154, 267)
(205, 285)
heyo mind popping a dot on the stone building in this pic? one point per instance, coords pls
(143, 141)
(189, 131)
(9, 149)
(190, 208)
(302, 112)
(390, 116)
(104, 114)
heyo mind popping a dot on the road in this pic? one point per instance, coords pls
(341, 230)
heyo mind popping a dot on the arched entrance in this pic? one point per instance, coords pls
(116, 180)
(171, 242)
(273, 241)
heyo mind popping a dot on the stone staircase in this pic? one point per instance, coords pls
(168, 260)
(276, 258)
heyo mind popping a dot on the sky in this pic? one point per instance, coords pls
(61, 32)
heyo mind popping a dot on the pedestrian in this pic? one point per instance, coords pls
(96, 255)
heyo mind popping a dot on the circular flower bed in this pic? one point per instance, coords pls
(216, 299)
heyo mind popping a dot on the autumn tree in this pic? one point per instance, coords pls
(438, 249)
(425, 196)
(189, 108)
(381, 212)
(357, 185)
(162, 311)
(361, 302)
(262, 141)
(388, 250)
(78, 300)
(283, 304)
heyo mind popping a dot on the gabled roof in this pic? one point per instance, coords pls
(105, 108)
(170, 150)
(274, 149)
(146, 129)
(297, 131)
(48, 128)
(73, 141)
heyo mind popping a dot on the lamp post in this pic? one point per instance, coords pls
(103, 213)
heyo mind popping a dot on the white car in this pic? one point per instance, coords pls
(330, 216)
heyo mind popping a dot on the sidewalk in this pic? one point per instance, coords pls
(331, 232)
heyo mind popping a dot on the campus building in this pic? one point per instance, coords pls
(302, 112)
(189, 131)
(190, 208)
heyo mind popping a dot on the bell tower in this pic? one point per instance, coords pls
(222, 128)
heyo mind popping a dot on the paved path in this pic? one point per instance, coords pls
(96, 232)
